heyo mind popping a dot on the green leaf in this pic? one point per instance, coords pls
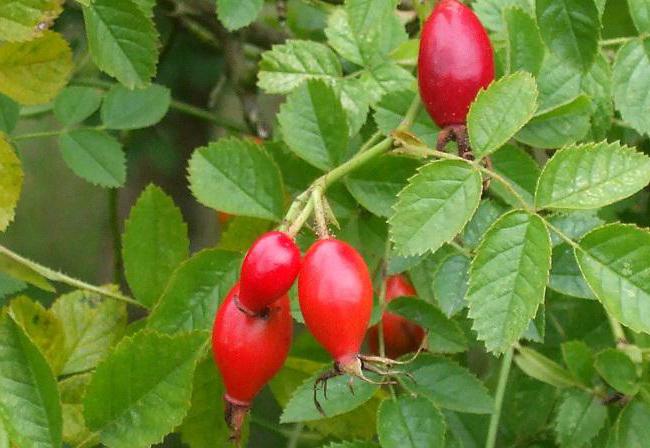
(241, 232)
(591, 176)
(579, 360)
(355, 444)
(566, 277)
(20, 271)
(558, 83)
(571, 29)
(385, 78)
(435, 206)
(22, 20)
(561, 126)
(365, 31)
(133, 109)
(314, 125)
(409, 422)
(542, 368)
(146, 403)
(615, 260)
(92, 325)
(450, 284)
(72, 390)
(204, 425)
(95, 156)
(448, 385)
(499, 112)
(632, 428)
(631, 78)
(640, 12)
(391, 110)
(353, 424)
(237, 177)
(376, 184)
(122, 40)
(76, 103)
(286, 66)
(194, 290)
(574, 224)
(43, 327)
(444, 335)
(9, 286)
(235, 14)
(9, 113)
(597, 83)
(579, 419)
(488, 212)
(154, 243)
(339, 399)
(355, 101)
(11, 182)
(490, 12)
(508, 277)
(29, 399)
(618, 370)
(520, 170)
(525, 47)
(34, 72)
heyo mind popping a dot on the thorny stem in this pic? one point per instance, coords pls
(63, 278)
(319, 213)
(506, 363)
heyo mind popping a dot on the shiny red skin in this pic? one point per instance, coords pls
(248, 350)
(401, 336)
(335, 294)
(269, 269)
(456, 60)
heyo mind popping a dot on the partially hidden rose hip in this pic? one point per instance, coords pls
(268, 271)
(335, 295)
(455, 61)
(249, 351)
(401, 336)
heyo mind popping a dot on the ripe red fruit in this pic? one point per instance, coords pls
(455, 61)
(335, 294)
(269, 269)
(249, 351)
(401, 336)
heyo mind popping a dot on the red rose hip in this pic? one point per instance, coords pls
(269, 269)
(455, 61)
(401, 336)
(249, 351)
(335, 294)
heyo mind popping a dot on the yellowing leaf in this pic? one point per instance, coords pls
(22, 20)
(11, 182)
(34, 72)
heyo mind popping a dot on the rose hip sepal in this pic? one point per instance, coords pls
(335, 295)
(455, 61)
(401, 336)
(268, 271)
(249, 351)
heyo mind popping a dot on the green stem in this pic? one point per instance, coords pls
(617, 41)
(294, 436)
(355, 162)
(617, 330)
(461, 249)
(34, 135)
(63, 278)
(319, 213)
(33, 111)
(506, 363)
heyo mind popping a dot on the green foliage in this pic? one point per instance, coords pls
(410, 422)
(145, 403)
(236, 176)
(148, 262)
(29, 399)
(435, 206)
(532, 247)
(94, 155)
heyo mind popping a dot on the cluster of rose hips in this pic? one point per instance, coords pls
(253, 327)
(252, 330)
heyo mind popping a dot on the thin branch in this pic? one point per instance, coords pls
(506, 363)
